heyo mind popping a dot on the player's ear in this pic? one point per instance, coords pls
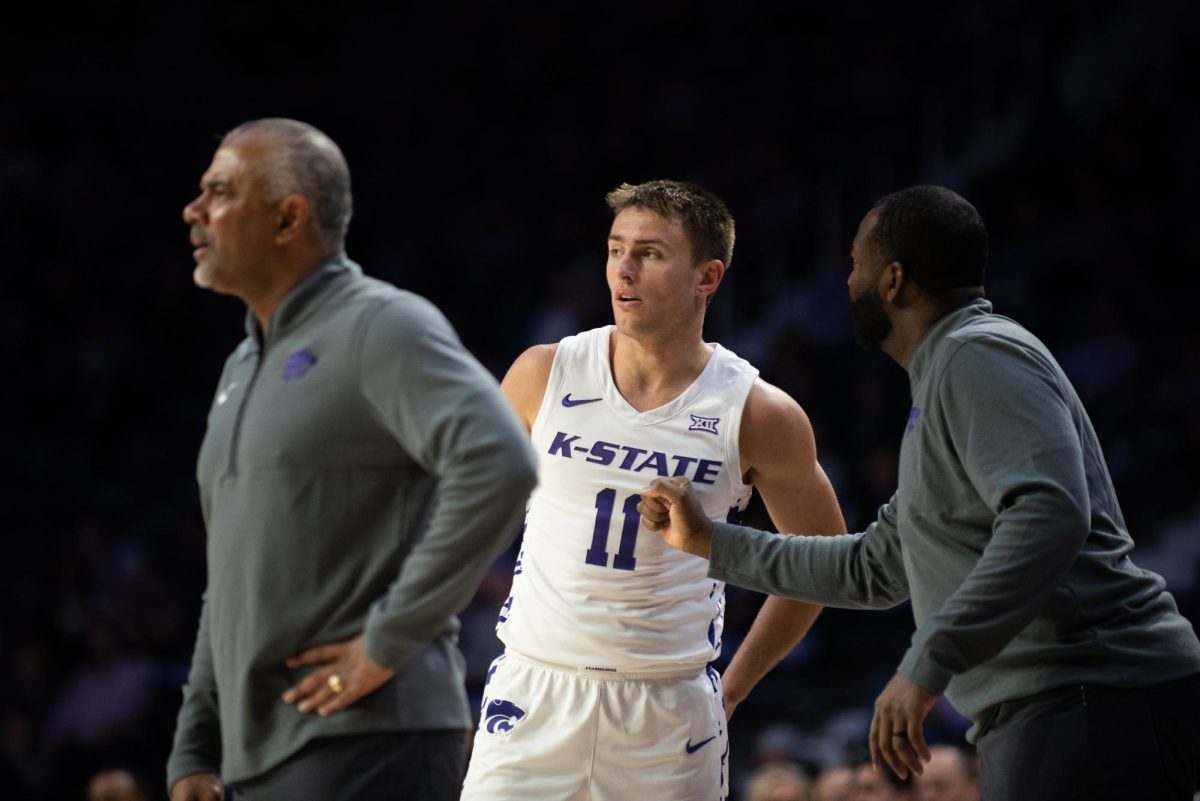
(708, 276)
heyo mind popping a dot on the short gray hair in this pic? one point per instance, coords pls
(305, 161)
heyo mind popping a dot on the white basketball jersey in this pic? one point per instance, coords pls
(593, 589)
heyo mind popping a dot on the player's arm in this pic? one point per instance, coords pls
(779, 456)
(525, 382)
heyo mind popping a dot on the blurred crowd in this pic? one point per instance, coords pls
(481, 143)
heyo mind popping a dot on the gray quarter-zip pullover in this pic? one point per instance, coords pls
(1004, 531)
(360, 472)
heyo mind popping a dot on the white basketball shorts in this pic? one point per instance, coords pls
(554, 733)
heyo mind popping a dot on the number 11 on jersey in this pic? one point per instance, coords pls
(606, 502)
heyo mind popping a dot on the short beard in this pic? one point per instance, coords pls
(871, 323)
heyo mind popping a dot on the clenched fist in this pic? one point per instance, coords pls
(670, 507)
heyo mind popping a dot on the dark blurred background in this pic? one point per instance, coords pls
(482, 138)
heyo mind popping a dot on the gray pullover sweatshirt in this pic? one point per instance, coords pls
(1004, 531)
(360, 471)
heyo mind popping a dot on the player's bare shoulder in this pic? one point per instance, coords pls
(525, 382)
(774, 429)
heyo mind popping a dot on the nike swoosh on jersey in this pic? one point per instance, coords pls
(568, 402)
(691, 749)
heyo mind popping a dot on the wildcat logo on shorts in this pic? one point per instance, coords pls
(501, 716)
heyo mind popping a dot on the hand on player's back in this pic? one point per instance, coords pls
(670, 507)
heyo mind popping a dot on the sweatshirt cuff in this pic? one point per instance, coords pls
(386, 648)
(720, 548)
(180, 766)
(917, 665)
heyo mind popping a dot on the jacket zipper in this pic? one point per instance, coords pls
(241, 410)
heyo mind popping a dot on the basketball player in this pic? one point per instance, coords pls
(604, 690)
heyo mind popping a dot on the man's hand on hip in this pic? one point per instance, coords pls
(344, 673)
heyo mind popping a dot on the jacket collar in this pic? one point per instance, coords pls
(304, 296)
(939, 331)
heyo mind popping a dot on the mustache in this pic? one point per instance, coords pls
(197, 236)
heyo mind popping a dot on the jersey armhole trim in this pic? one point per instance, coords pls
(733, 434)
(553, 385)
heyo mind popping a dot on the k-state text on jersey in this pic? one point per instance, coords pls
(704, 471)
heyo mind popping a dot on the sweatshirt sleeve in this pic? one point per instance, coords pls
(448, 413)
(197, 746)
(851, 571)
(1008, 416)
